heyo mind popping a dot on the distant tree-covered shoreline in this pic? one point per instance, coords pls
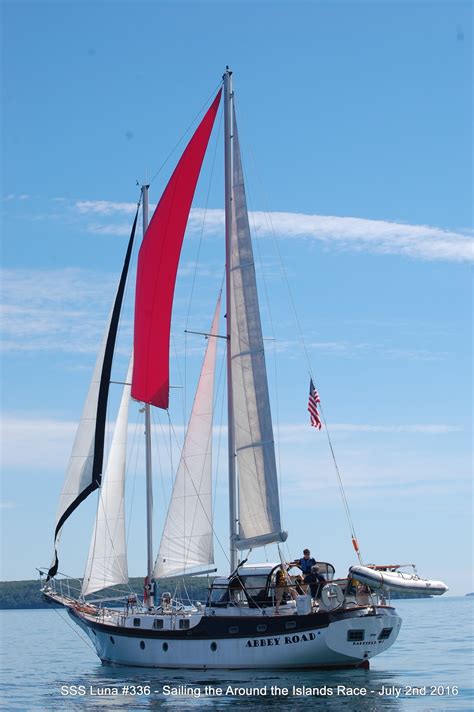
(27, 594)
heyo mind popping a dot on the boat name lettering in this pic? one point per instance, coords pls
(288, 640)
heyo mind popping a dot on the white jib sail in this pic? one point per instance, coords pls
(107, 561)
(79, 470)
(259, 508)
(187, 541)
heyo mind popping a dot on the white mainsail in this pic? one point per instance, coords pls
(187, 540)
(107, 560)
(259, 508)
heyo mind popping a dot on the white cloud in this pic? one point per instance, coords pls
(422, 242)
(43, 439)
(54, 309)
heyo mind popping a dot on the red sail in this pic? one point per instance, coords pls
(157, 266)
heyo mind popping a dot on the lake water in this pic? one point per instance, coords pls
(41, 652)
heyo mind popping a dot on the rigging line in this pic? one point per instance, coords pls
(204, 105)
(222, 398)
(268, 217)
(101, 504)
(204, 221)
(196, 263)
(74, 630)
(341, 487)
(208, 451)
(139, 426)
(180, 378)
(273, 333)
(158, 449)
(301, 337)
(199, 500)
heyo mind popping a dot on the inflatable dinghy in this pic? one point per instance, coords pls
(395, 580)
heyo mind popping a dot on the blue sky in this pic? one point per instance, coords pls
(355, 124)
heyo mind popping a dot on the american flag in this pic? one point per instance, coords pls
(314, 399)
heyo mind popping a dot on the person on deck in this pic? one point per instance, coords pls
(281, 587)
(306, 562)
(315, 581)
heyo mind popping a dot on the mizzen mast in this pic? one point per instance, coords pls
(148, 462)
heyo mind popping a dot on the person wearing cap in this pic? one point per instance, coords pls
(315, 580)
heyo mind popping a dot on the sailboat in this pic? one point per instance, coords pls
(250, 619)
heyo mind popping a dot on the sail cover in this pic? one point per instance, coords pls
(259, 509)
(187, 540)
(157, 267)
(84, 471)
(107, 560)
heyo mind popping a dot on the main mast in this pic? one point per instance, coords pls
(228, 131)
(148, 464)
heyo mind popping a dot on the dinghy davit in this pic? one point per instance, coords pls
(391, 578)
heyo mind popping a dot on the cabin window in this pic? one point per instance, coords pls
(158, 623)
(261, 628)
(219, 596)
(290, 624)
(184, 623)
(353, 635)
(142, 645)
(165, 647)
(112, 640)
(213, 647)
(255, 586)
(234, 629)
(136, 622)
(385, 633)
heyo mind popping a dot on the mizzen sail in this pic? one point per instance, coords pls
(157, 267)
(259, 508)
(84, 471)
(187, 540)
(107, 560)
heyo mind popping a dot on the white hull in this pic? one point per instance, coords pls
(314, 642)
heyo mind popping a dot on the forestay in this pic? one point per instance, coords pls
(107, 561)
(259, 509)
(187, 541)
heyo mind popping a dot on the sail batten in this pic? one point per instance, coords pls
(259, 508)
(187, 540)
(158, 264)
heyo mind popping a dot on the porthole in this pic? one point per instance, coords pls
(234, 629)
(142, 645)
(261, 628)
(112, 640)
(213, 647)
(290, 624)
(165, 647)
